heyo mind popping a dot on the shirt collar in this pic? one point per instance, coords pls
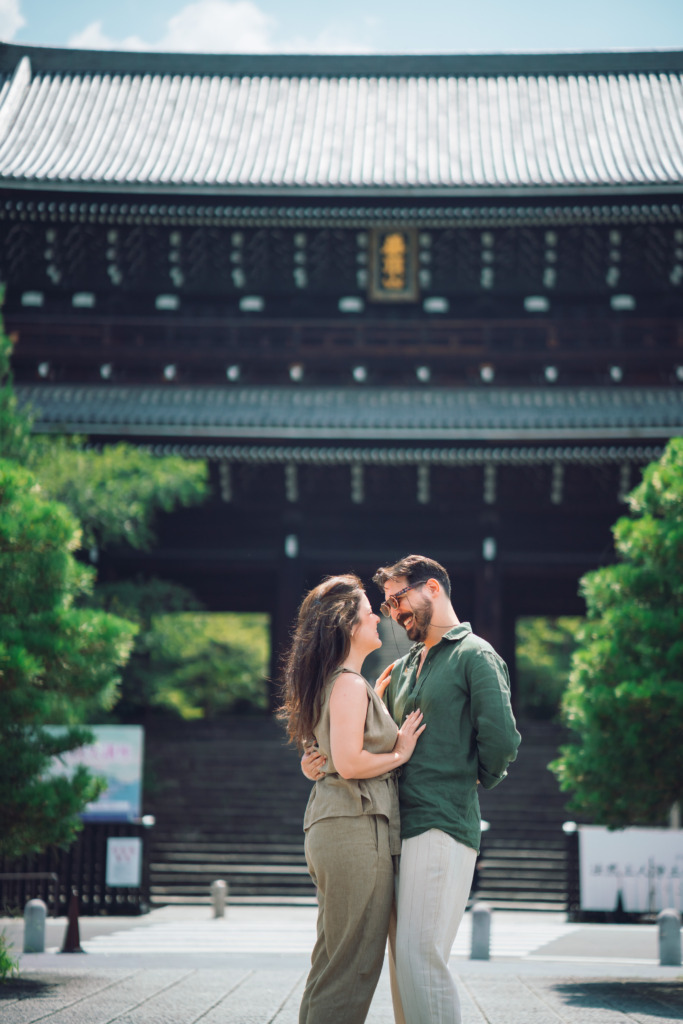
(458, 632)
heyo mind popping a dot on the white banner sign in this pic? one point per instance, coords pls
(124, 861)
(643, 865)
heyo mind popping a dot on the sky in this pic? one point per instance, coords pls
(352, 26)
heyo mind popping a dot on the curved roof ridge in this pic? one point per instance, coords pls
(72, 61)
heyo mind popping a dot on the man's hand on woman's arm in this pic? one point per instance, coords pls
(312, 764)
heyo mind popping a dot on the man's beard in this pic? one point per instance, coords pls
(421, 621)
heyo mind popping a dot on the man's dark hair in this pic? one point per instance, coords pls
(414, 568)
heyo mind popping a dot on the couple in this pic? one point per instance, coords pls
(446, 723)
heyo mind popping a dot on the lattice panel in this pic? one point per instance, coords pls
(22, 254)
(655, 243)
(195, 261)
(333, 261)
(216, 252)
(83, 261)
(590, 250)
(522, 486)
(324, 486)
(451, 487)
(526, 271)
(257, 484)
(268, 260)
(456, 261)
(141, 254)
(390, 486)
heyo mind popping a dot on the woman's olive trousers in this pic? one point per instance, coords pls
(352, 867)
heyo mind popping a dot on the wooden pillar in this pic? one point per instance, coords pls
(488, 605)
(508, 647)
(288, 592)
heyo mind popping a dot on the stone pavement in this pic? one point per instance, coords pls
(179, 966)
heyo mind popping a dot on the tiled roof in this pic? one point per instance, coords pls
(358, 413)
(549, 124)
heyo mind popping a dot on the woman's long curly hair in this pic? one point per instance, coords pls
(321, 642)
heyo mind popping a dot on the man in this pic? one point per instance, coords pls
(462, 688)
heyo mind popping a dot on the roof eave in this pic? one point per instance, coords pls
(353, 192)
(73, 61)
(218, 432)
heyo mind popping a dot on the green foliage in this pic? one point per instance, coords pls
(192, 663)
(9, 965)
(58, 664)
(59, 661)
(543, 657)
(15, 425)
(211, 663)
(116, 492)
(625, 696)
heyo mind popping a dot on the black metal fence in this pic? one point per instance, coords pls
(52, 875)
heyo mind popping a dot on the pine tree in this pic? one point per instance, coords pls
(625, 695)
(59, 664)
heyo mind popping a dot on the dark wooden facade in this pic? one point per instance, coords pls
(169, 312)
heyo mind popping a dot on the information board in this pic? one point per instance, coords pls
(642, 865)
(117, 755)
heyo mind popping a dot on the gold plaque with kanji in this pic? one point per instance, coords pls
(393, 272)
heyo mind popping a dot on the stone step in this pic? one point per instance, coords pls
(494, 854)
(230, 814)
(245, 887)
(163, 899)
(525, 869)
(511, 885)
(493, 840)
(170, 844)
(529, 903)
(180, 871)
(202, 857)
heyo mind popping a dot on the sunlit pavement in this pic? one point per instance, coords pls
(181, 966)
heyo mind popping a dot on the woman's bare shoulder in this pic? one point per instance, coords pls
(350, 682)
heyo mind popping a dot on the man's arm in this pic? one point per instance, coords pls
(492, 718)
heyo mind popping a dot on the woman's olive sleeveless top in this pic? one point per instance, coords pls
(335, 797)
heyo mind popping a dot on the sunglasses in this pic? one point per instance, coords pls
(392, 602)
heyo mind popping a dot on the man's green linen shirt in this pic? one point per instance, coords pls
(463, 692)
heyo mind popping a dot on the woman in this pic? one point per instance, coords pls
(351, 821)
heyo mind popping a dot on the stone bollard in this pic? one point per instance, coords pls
(35, 913)
(481, 931)
(669, 922)
(219, 895)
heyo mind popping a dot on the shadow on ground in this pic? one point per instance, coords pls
(31, 988)
(646, 998)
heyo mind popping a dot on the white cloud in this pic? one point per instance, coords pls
(221, 26)
(11, 19)
(93, 38)
(331, 39)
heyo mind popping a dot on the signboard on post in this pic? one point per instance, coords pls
(124, 861)
(642, 867)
